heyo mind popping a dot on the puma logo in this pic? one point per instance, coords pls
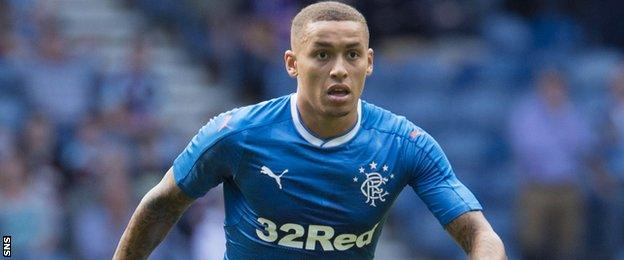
(224, 125)
(415, 133)
(267, 171)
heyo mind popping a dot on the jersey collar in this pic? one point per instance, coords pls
(305, 133)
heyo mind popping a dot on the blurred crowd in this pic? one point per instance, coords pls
(526, 98)
(76, 144)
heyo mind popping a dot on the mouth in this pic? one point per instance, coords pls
(338, 91)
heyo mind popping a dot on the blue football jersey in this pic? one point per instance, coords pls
(291, 195)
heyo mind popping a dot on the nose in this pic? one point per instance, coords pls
(339, 71)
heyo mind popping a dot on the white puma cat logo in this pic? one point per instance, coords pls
(267, 171)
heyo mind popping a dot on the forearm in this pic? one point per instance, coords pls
(487, 245)
(147, 228)
(475, 235)
(158, 211)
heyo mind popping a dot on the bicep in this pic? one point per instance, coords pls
(435, 183)
(210, 157)
(170, 187)
(167, 195)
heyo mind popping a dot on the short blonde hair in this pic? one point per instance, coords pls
(324, 11)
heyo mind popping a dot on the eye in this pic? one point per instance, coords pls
(322, 55)
(353, 55)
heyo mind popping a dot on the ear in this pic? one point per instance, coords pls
(370, 56)
(290, 61)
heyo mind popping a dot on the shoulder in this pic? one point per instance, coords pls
(240, 119)
(260, 114)
(379, 119)
(415, 139)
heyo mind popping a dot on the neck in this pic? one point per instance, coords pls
(325, 126)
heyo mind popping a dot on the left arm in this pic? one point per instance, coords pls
(451, 202)
(475, 235)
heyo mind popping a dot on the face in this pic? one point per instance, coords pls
(553, 88)
(331, 63)
(617, 85)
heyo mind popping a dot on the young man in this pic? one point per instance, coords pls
(313, 174)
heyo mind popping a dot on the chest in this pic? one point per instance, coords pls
(291, 182)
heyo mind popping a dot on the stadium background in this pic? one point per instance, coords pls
(97, 97)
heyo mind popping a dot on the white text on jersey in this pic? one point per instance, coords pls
(316, 233)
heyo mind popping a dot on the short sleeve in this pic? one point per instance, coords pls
(208, 158)
(435, 182)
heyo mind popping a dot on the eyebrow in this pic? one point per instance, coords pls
(327, 44)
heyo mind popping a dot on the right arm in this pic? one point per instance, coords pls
(158, 211)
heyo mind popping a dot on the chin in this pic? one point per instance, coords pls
(337, 112)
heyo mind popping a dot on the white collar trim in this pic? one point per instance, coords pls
(315, 140)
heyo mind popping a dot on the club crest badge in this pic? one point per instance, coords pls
(373, 183)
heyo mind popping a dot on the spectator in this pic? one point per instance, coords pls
(12, 101)
(207, 217)
(38, 141)
(258, 44)
(606, 210)
(615, 131)
(7, 143)
(130, 98)
(99, 217)
(79, 155)
(550, 140)
(33, 219)
(59, 86)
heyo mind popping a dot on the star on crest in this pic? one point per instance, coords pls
(373, 165)
(361, 169)
(385, 168)
(391, 176)
(355, 179)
